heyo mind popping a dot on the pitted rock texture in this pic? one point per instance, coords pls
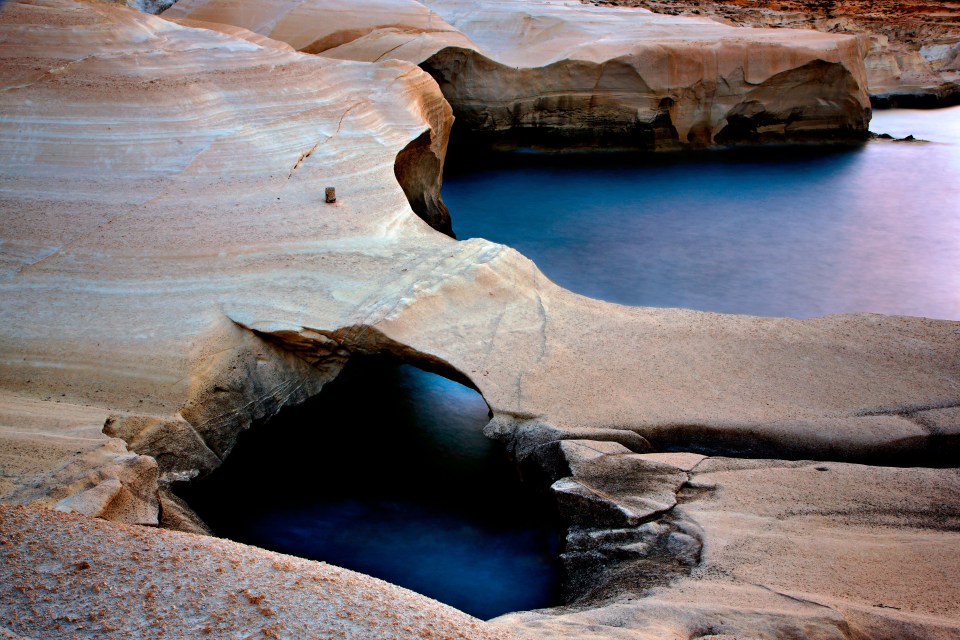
(548, 74)
(914, 46)
(67, 576)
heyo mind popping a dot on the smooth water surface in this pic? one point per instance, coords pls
(387, 472)
(783, 232)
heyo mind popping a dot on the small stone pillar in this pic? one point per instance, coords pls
(331, 194)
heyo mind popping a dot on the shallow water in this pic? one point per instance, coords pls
(387, 472)
(796, 233)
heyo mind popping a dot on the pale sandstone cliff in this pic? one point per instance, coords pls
(914, 46)
(554, 74)
(168, 260)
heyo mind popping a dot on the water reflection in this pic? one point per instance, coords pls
(387, 472)
(796, 233)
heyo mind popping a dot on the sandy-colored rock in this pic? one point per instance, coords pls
(889, 439)
(168, 258)
(941, 422)
(683, 461)
(67, 576)
(176, 514)
(237, 32)
(373, 29)
(616, 490)
(795, 549)
(554, 74)
(912, 56)
(223, 288)
(53, 454)
(179, 450)
(116, 167)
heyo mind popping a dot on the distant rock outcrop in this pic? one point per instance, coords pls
(545, 74)
(913, 45)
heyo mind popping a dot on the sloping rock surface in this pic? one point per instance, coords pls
(175, 260)
(67, 576)
(561, 75)
(114, 125)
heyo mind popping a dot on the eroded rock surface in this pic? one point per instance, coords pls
(89, 178)
(189, 586)
(773, 549)
(54, 454)
(912, 60)
(551, 74)
(168, 263)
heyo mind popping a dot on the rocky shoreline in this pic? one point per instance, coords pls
(171, 275)
(560, 76)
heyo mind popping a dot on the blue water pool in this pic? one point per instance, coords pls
(387, 472)
(789, 232)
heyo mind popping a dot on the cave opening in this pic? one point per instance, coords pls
(387, 472)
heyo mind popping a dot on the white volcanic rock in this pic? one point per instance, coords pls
(374, 29)
(152, 243)
(564, 74)
(92, 178)
(167, 258)
(913, 45)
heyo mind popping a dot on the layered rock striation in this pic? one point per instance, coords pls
(546, 74)
(115, 124)
(171, 275)
(912, 60)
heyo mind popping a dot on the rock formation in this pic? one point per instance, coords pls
(764, 549)
(912, 59)
(539, 73)
(116, 182)
(171, 275)
(188, 586)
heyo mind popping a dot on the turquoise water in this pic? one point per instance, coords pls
(387, 472)
(797, 233)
